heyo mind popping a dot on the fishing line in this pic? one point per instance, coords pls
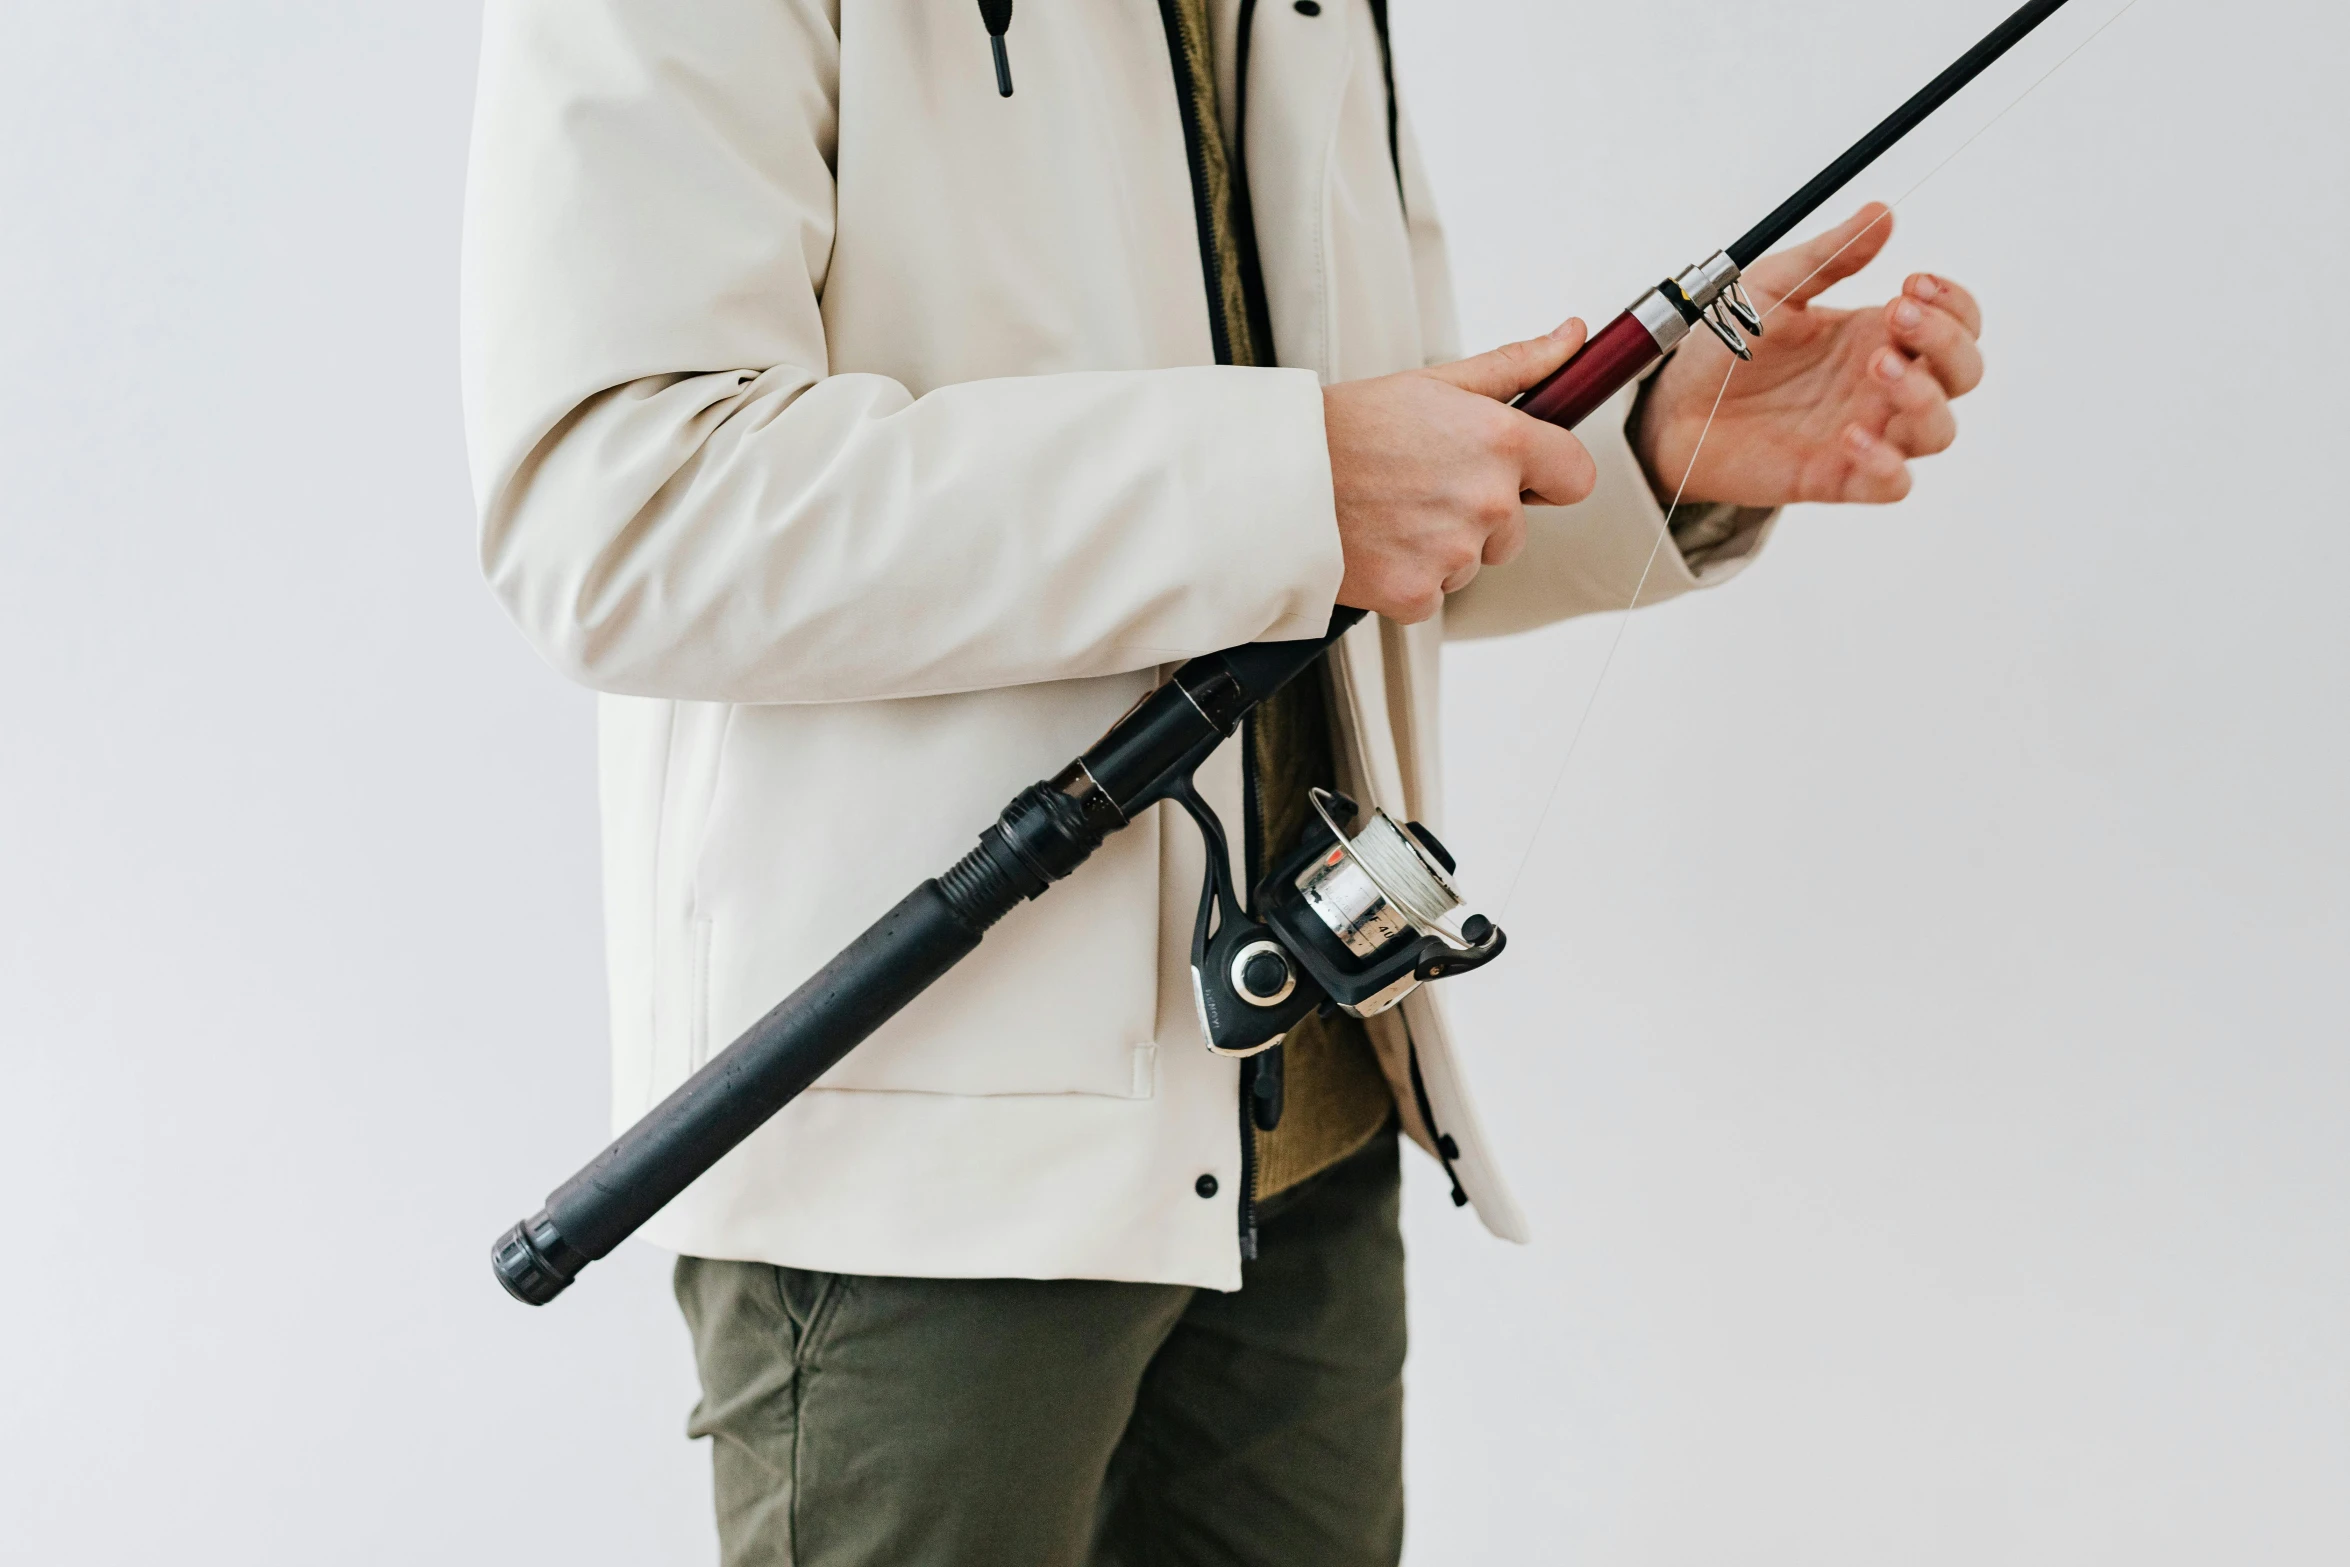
(1624, 620)
(1895, 204)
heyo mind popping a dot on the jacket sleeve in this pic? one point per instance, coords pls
(677, 496)
(1583, 559)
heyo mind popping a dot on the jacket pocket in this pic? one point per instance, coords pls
(825, 816)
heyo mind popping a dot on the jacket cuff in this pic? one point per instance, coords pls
(1716, 539)
(1273, 516)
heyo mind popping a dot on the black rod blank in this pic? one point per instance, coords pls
(1042, 836)
(1759, 239)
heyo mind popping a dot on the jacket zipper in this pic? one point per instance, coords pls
(1220, 335)
(1254, 848)
(1243, 221)
(1248, 1159)
(1195, 150)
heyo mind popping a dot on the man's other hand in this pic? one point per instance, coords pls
(1836, 402)
(1432, 469)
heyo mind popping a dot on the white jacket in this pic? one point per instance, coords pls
(857, 432)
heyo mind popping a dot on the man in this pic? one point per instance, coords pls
(873, 436)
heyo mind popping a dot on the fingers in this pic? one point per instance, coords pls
(1921, 422)
(1801, 272)
(1865, 472)
(1430, 483)
(1868, 462)
(1924, 433)
(1937, 339)
(1506, 371)
(1554, 467)
(1943, 294)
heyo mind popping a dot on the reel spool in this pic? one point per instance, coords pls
(1351, 923)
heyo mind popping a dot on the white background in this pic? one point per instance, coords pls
(1923, 1053)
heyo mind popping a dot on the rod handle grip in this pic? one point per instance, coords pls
(1600, 369)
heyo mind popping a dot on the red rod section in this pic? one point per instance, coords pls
(1604, 366)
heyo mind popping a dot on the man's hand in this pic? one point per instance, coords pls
(1836, 401)
(1432, 470)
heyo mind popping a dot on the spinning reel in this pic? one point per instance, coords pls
(1347, 923)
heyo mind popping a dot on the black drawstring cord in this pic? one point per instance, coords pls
(997, 14)
(1446, 1149)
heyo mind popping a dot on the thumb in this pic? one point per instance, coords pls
(1798, 274)
(1504, 372)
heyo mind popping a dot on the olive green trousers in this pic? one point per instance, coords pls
(889, 1422)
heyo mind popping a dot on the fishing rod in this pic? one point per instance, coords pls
(1710, 292)
(1356, 915)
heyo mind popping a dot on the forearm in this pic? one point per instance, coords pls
(781, 538)
(679, 494)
